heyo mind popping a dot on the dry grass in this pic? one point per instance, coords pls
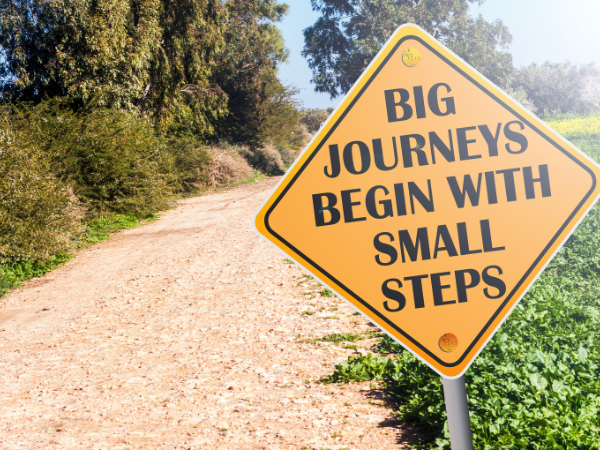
(227, 167)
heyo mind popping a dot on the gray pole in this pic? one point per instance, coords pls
(455, 394)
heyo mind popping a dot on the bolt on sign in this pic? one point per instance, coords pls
(430, 200)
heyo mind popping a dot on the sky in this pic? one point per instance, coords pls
(542, 30)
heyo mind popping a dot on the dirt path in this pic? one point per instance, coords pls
(182, 334)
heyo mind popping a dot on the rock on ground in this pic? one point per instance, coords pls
(185, 333)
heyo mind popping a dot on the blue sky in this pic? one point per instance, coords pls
(543, 30)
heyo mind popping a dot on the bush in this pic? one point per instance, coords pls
(227, 166)
(556, 88)
(39, 214)
(190, 164)
(266, 158)
(313, 118)
(113, 159)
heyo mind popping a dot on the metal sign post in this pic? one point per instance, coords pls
(455, 395)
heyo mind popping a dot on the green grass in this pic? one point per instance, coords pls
(254, 178)
(99, 229)
(11, 275)
(536, 385)
(337, 338)
(94, 231)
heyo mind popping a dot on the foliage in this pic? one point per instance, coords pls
(84, 50)
(38, 212)
(228, 167)
(246, 65)
(521, 96)
(180, 95)
(95, 230)
(265, 158)
(573, 126)
(154, 56)
(535, 386)
(590, 91)
(190, 164)
(555, 87)
(99, 228)
(349, 34)
(312, 118)
(12, 274)
(270, 113)
(362, 368)
(112, 159)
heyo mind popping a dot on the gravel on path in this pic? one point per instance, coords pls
(186, 333)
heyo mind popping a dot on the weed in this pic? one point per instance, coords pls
(100, 228)
(288, 261)
(344, 337)
(11, 275)
(331, 318)
(326, 293)
(350, 347)
(307, 313)
(356, 313)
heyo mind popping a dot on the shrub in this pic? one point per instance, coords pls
(227, 166)
(313, 118)
(38, 212)
(189, 165)
(266, 158)
(113, 159)
(555, 88)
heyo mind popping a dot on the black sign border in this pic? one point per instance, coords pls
(349, 291)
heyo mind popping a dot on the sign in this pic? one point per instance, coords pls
(430, 200)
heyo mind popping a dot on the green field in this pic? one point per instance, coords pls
(537, 383)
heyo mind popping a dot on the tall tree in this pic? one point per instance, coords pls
(154, 56)
(557, 87)
(246, 70)
(349, 33)
(77, 48)
(179, 94)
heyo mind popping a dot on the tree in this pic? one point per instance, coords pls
(275, 116)
(179, 94)
(555, 87)
(313, 118)
(153, 56)
(79, 49)
(590, 92)
(349, 33)
(246, 70)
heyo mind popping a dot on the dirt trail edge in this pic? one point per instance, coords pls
(185, 333)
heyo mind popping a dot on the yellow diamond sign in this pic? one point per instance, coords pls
(430, 200)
